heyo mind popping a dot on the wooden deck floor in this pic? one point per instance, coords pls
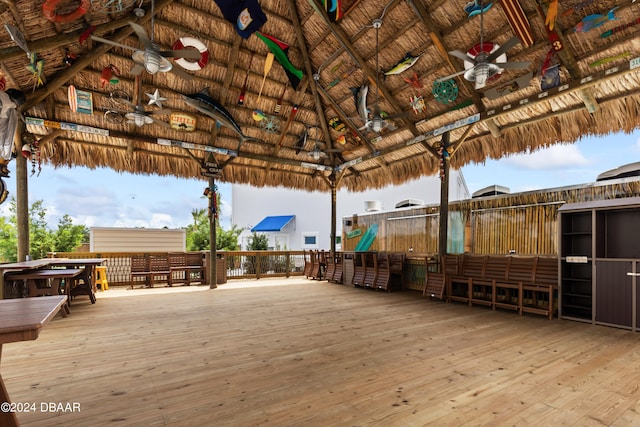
(301, 353)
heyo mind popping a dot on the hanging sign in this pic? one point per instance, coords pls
(182, 121)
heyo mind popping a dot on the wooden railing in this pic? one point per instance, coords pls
(234, 264)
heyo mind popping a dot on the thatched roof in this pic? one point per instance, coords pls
(598, 92)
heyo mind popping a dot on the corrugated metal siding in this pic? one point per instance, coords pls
(137, 240)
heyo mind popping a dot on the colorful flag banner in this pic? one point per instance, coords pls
(279, 50)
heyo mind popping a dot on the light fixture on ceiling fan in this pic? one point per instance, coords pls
(489, 61)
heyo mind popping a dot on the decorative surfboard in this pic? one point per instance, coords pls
(367, 240)
(518, 21)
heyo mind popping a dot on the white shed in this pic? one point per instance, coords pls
(110, 239)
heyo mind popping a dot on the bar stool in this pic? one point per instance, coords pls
(101, 277)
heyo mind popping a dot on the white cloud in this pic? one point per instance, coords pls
(555, 157)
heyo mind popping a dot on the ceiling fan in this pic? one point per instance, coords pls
(489, 61)
(378, 121)
(152, 59)
(316, 153)
(140, 117)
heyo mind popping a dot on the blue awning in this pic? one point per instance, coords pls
(273, 223)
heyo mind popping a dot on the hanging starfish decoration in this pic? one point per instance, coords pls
(155, 98)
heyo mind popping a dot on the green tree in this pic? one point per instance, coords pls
(41, 239)
(198, 233)
(68, 237)
(259, 242)
(8, 241)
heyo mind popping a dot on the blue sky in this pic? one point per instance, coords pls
(105, 198)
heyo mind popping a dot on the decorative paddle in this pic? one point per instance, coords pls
(243, 91)
(267, 67)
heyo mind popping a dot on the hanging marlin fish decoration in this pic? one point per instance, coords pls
(405, 63)
(203, 102)
(360, 99)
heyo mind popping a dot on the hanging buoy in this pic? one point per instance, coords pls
(26, 151)
(49, 11)
(195, 43)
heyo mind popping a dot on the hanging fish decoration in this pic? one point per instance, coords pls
(405, 63)
(202, 102)
(360, 100)
(594, 21)
(36, 66)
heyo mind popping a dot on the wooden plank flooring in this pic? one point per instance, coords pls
(300, 353)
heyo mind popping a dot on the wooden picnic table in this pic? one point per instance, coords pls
(88, 266)
(38, 282)
(21, 319)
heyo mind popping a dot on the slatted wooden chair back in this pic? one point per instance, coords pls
(496, 267)
(521, 269)
(435, 282)
(546, 272)
(371, 271)
(383, 278)
(139, 264)
(473, 266)
(359, 269)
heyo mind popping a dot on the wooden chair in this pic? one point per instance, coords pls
(359, 269)
(371, 269)
(331, 267)
(139, 269)
(435, 282)
(383, 276)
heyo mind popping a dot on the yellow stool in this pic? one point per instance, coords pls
(101, 277)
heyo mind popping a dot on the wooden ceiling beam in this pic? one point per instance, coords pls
(343, 38)
(60, 40)
(84, 61)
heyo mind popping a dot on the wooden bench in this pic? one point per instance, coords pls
(461, 284)
(508, 292)
(152, 268)
(185, 268)
(383, 274)
(139, 269)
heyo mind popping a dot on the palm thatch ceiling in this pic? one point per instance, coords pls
(339, 48)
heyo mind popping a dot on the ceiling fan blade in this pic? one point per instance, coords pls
(445, 78)
(502, 49)
(136, 70)
(461, 55)
(111, 42)
(184, 53)
(401, 115)
(181, 73)
(160, 122)
(513, 65)
(142, 35)
(160, 112)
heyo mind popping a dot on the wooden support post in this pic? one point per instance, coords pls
(444, 196)
(213, 268)
(22, 206)
(333, 218)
